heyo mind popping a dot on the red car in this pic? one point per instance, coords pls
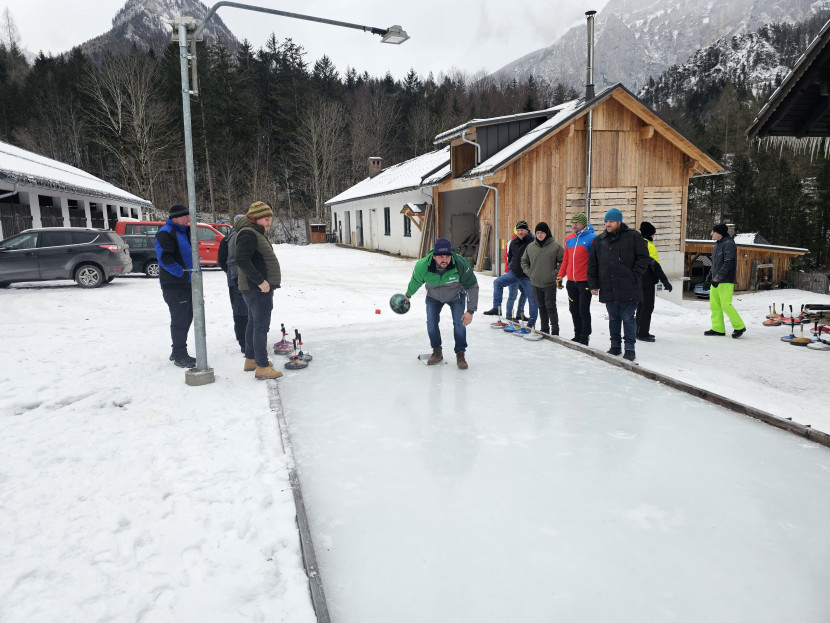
(209, 238)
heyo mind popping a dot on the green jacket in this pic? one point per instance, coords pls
(458, 277)
(255, 257)
(541, 262)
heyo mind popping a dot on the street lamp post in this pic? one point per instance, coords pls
(185, 28)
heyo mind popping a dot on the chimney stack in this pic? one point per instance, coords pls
(375, 165)
(589, 82)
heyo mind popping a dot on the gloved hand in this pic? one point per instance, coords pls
(559, 285)
(667, 286)
(714, 284)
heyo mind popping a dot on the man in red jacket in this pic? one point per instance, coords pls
(575, 268)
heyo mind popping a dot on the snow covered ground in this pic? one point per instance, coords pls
(539, 482)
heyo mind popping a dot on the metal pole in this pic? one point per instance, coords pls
(201, 375)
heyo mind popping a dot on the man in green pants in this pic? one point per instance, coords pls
(722, 280)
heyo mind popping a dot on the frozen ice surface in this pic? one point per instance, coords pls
(542, 484)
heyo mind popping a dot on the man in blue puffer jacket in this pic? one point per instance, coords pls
(173, 251)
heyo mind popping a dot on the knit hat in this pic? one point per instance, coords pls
(442, 247)
(259, 210)
(178, 210)
(613, 215)
(721, 229)
(647, 229)
(579, 217)
(543, 227)
(522, 225)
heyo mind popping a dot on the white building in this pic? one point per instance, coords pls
(36, 191)
(384, 211)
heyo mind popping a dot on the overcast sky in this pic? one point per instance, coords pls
(486, 34)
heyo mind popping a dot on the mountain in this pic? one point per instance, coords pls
(756, 62)
(147, 24)
(638, 39)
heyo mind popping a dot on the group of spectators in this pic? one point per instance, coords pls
(620, 265)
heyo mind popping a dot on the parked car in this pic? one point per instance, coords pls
(92, 257)
(223, 228)
(143, 252)
(702, 290)
(209, 238)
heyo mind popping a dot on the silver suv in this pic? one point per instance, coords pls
(92, 257)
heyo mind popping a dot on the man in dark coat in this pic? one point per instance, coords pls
(515, 276)
(227, 262)
(653, 274)
(175, 258)
(722, 278)
(618, 259)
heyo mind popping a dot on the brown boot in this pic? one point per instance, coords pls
(250, 364)
(436, 357)
(459, 359)
(267, 373)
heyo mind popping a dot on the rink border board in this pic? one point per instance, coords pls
(315, 582)
(803, 430)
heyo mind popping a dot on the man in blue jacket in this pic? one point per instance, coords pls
(176, 263)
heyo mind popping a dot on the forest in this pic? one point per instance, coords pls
(270, 125)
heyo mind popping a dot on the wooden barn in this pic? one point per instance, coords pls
(761, 265)
(535, 167)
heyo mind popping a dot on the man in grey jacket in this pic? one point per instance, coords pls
(722, 280)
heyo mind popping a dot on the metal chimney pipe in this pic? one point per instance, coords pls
(589, 82)
(589, 95)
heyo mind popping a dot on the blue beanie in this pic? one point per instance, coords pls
(613, 215)
(442, 247)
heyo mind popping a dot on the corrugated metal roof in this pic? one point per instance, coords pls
(31, 169)
(424, 170)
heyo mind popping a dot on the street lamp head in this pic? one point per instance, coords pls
(394, 34)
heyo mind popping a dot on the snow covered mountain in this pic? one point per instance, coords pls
(637, 39)
(146, 24)
(756, 61)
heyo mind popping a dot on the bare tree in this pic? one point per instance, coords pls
(423, 128)
(9, 35)
(319, 152)
(130, 120)
(373, 127)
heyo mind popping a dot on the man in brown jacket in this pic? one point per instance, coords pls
(259, 275)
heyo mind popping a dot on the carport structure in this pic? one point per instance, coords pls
(36, 191)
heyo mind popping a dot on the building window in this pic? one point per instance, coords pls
(407, 227)
(387, 222)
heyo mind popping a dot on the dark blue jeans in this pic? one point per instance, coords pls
(622, 315)
(507, 280)
(459, 331)
(179, 299)
(260, 305)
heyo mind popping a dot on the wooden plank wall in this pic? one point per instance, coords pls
(645, 177)
(663, 207)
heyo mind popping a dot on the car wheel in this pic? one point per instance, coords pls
(109, 280)
(89, 276)
(151, 269)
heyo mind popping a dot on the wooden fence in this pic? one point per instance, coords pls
(812, 282)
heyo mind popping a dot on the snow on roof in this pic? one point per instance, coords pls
(748, 240)
(415, 208)
(563, 111)
(399, 177)
(438, 176)
(31, 169)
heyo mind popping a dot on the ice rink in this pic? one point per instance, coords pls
(543, 484)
